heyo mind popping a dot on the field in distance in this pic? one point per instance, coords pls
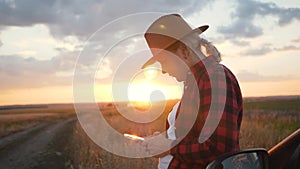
(266, 121)
(21, 117)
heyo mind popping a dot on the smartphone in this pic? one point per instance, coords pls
(133, 137)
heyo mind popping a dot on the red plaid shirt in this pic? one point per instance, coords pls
(194, 108)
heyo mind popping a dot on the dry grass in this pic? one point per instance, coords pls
(262, 126)
(265, 123)
(267, 128)
(86, 154)
(14, 120)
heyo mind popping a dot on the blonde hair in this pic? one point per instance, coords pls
(210, 49)
(196, 44)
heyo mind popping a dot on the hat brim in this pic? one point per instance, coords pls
(151, 61)
(199, 30)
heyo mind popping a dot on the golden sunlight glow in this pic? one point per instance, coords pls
(141, 91)
(150, 72)
(140, 105)
(145, 87)
(43, 95)
(133, 136)
(139, 96)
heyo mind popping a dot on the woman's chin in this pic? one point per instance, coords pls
(178, 79)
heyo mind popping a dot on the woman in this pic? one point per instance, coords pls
(209, 115)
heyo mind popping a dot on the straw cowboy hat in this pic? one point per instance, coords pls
(165, 31)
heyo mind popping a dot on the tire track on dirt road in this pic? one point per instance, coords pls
(42, 146)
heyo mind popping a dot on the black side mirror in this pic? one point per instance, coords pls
(243, 159)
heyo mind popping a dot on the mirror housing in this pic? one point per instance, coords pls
(244, 159)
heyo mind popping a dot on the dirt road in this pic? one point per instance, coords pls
(42, 146)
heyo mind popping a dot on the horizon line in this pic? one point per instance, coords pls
(67, 103)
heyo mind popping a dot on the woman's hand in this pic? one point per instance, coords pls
(157, 145)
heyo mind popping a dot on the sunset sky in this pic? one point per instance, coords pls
(42, 43)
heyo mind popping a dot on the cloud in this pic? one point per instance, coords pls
(245, 13)
(82, 18)
(241, 28)
(257, 51)
(288, 48)
(297, 40)
(246, 76)
(20, 72)
(239, 42)
(286, 16)
(21, 13)
(267, 48)
(122, 60)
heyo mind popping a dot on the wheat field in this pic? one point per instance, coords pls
(265, 123)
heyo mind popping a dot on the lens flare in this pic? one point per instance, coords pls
(150, 73)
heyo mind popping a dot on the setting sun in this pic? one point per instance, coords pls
(141, 91)
(150, 72)
(149, 86)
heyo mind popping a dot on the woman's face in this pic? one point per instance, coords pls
(172, 64)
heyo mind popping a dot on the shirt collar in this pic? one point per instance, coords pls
(208, 64)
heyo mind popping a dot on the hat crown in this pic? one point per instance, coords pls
(168, 29)
(172, 25)
(165, 31)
